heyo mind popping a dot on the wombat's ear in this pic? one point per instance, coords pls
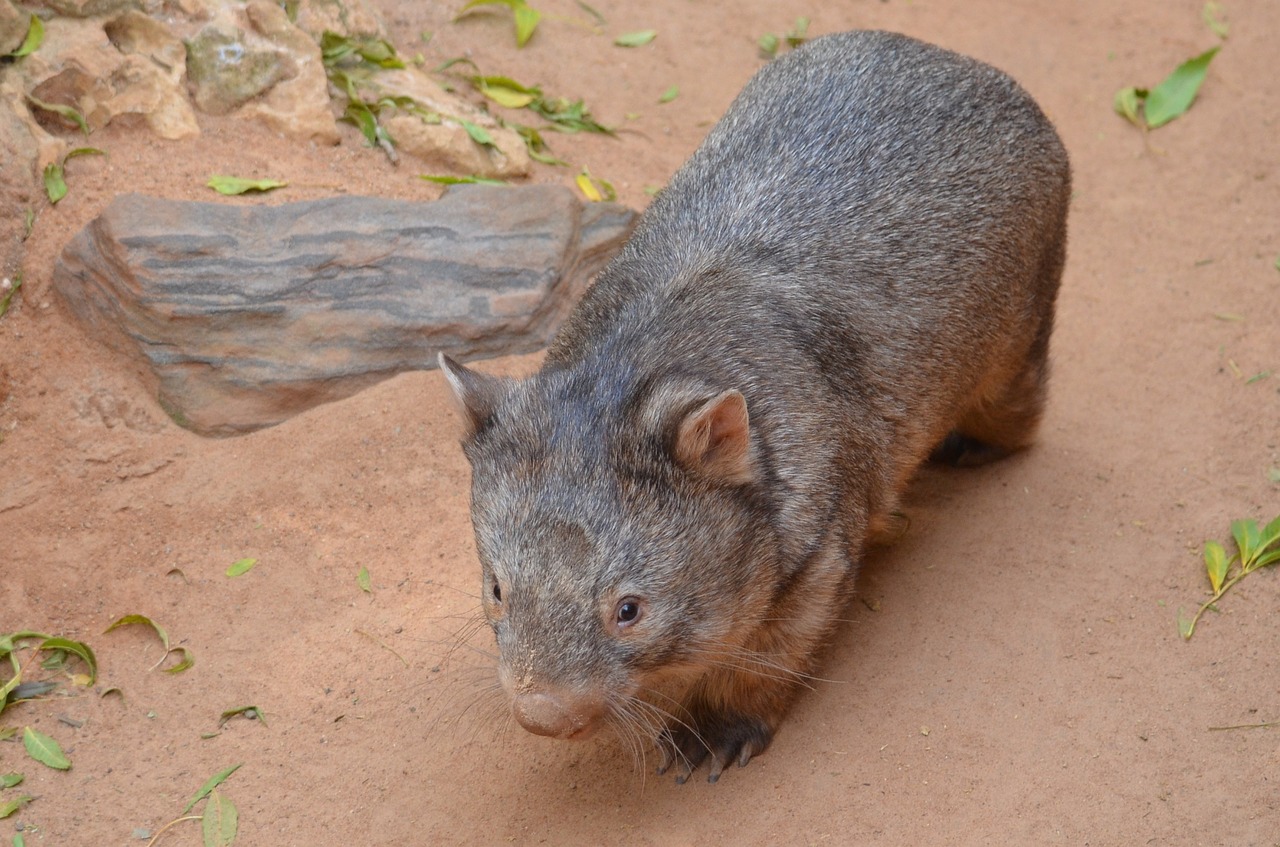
(477, 394)
(714, 439)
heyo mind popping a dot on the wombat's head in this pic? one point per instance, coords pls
(622, 540)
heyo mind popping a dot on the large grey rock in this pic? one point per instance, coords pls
(246, 315)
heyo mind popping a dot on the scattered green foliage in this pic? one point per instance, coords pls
(219, 820)
(636, 39)
(8, 288)
(1255, 549)
(69, 112)
(1170, 99)
(30, 44)
(188, 658)
(478, 134)
(1273, 473)
(241, 566)
(44, 749)
(770, 43)
(526, 17)
(231, 185)
(364, 581)
(16, 687)
(670, 94)
(594, 189)
(253, 713)
(1214, 19)
(9, 780)
(460, 180)
(351, 63)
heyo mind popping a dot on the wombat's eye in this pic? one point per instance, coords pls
(628, 611)
(497, 593)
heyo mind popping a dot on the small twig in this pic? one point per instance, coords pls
(156, 837)
(1266, 725)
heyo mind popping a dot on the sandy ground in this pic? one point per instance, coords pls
(1013, 674)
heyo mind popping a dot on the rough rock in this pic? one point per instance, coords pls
(123, 66)
(14, 24)
(90, 8)
(345, 17)
(246, 315)
(229, 67)
(297, 106)
(18, 152)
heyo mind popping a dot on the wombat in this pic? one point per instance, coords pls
(857, 269)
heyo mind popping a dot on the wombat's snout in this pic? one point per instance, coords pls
(557, 714)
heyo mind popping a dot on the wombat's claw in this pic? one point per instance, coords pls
(724, 740)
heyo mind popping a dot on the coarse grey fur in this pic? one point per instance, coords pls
(856, 269)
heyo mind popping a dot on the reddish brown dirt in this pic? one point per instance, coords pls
(1013, 674)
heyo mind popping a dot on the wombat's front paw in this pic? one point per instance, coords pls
(724, 737)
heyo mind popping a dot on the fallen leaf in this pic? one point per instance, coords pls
(241, 566)
(210, 784)
(636, 39)
(219, 822)
(44, 749)
(232, 185)
(670, 94)
(1175, 95)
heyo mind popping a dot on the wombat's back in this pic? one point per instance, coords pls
(900, 207)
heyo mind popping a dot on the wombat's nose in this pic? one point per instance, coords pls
(556, 715)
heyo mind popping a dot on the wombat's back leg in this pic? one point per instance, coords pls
(1005, 411)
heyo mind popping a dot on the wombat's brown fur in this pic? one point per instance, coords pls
(856, 269)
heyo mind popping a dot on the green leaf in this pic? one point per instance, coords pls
(1270, 534)
(79, 648)
(478, 133)
(14, 805)
(241, 566)
(595, 190)
(188, 660)
(7, 732)
(1175, 95)
(35, 37)
(83, 151)
(799, 33)
(1216, 564)
(1246, 534)
(526, 18)
(768, 44)
(54, 184)
(229, 185)
(219, 821)
(636, 39)
(69, 112)
(18, 840)
(526, 22)
(505, 91)
(670, 94)
(1126, 104)
(129, 620)
(44, 749)
(363, 580)
(210, 784)
(460, 180)
(9, 780)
